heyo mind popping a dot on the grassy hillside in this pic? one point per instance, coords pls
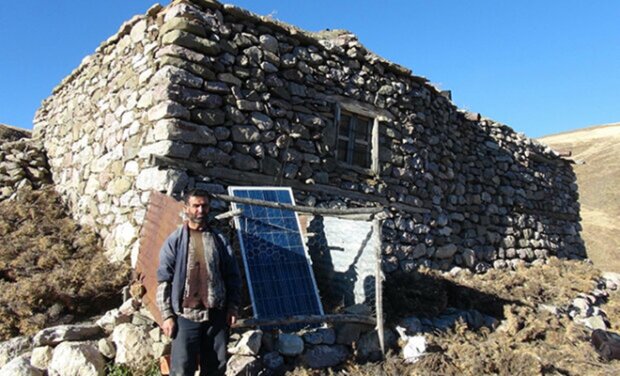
(596, 151)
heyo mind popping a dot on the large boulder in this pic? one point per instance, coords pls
(76, 359)
(290, 344)
(133, 345)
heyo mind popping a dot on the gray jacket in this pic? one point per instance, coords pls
(173, 268)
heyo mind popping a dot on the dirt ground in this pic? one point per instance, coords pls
(529, 340)
(52, 270)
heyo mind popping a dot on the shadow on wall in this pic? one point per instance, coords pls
(492, 203)
(343, 262)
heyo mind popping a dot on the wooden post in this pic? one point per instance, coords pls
(379, 285)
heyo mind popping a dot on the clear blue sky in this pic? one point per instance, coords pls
(540, 67)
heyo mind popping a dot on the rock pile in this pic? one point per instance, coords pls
(23, 163)
(125, 336)
(129, 336)
(585, 308)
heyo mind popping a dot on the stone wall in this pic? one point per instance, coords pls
(203, 94)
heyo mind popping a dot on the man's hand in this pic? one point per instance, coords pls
(231, 317)
(169, 326)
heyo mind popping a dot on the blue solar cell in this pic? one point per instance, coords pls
(280, 278)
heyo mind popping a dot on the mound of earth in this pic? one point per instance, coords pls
(596, 151)
(52, 270)
(9, 133)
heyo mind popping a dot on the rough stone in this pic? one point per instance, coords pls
(133, 345)
(446, 251)
(76, 358)
(20, 366)
(241, 365)
(41, 357)
(273, 360)
(57, 334)
(106, 348)
(249, 344)
(324, 356)
(290, 344)
(14, 347)
(245, 133)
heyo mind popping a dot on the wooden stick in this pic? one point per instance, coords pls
(379, 285)
(297, 208)
(306, 319)
(228, 214)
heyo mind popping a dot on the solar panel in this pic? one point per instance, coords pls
(277, 266)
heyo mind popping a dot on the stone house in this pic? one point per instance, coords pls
(197, 93)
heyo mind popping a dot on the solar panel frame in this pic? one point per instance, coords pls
(280, 219)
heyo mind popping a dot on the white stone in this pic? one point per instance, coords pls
(133, 345)
(125, 234)
(132, 168)
(13, 347)
(92, 185)
(76, 358)
(240, 365)
(249, 344)
(20, 366)
(102, 163)
(127, 118)
(414, 349)
(106, 348)
(134, 128)
(41, 356)
(166, 148)
(161, 180)
(116, 253)
(135, 251)
(138, 30)
(145, 76)
(146, 99)
(110, 319)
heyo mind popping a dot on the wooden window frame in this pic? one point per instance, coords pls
(354, 110)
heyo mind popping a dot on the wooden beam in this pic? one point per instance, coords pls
(245, 178)
(379, 285)
(297, 208)
(306, 319)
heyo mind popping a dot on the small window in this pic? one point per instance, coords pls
(354, 140)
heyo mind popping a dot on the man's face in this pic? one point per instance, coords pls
(197, 209)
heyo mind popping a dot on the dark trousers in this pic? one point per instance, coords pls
(204, 340)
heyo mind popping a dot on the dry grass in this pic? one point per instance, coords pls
(597, 151)
(529, 340)
(50, 267)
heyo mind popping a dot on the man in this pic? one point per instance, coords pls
(199, 291)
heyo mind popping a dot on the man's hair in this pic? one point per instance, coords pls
(196, 193)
